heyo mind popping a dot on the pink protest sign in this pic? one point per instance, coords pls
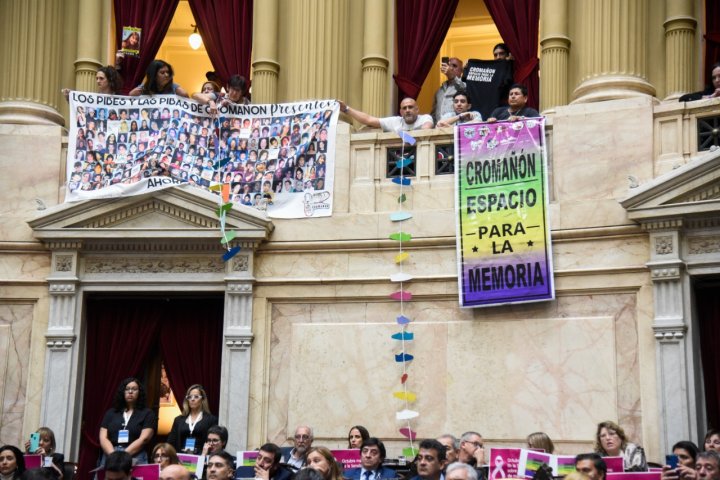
(146, 472)
(350, 458)
(33, 461)
(614, 464)
(503, 463)
(634, 476)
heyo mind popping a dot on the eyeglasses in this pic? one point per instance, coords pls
(477, 444)
(193, 397)
(302, 437)
(214, 440)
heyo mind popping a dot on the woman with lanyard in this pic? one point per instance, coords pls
(129, 425)
(189, 430)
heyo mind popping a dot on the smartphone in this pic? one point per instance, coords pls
(34, 442)
(444, 59)
(672, 461)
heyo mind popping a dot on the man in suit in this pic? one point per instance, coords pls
(372, 455)
(430, 460)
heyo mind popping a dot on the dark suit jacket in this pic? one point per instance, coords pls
(354, 473)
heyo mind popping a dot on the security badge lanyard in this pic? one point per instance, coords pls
(190, 440)
(124, 434)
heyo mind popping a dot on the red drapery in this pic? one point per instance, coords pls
(421, 29)
(120, 336)
(154, 19)
(226, 30)
(195, 335)
(708, 310)
(712, 38)
(518, 23)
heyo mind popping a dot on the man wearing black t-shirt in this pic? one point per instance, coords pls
(516, 108)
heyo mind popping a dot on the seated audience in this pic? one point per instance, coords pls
(443, 102)
(461, 111)
(517, 106)
(610, 441)
(372, 456)
(430, 460)
(46, 448)
(541, 441)
(307, 474)
(220, 466)
(303, 441)
(686, 453)
(409, 119)
(217, 437)
(452, 445)
(712, 440)
(267, 464)
(592, 465)
(189, 430)
(164, 455)
(12, 462)
(118, 466)
(707, 465)
(174, 472)
(471, 449)
(357, 435)
(321, 460)
(159, 81)
(711, 91)
(460, 471)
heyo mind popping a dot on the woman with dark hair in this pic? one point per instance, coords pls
(129, 425)
(159, 81)
(12, 462)
(357, 435)
(610, 441)
(108, 81)
(712, 440)
(164, 454)
(711, 91)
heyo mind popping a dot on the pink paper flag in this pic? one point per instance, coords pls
(406, 432)
(401, 295)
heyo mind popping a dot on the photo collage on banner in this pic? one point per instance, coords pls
(275, 157)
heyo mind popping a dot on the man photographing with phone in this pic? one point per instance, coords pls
(452, 68)
(681, 464)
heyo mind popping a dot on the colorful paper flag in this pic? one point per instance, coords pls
(406, 414)
(400, 216)
(403, 320)
(401, 277)
(401, 295)
(401, 257)
(401, 180)
(230, 253)
(402, 336)
(403, 357)
(407, 396)
(406, 432)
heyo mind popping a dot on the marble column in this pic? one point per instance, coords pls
(613, 50)
(237, 341)
(374, 61)
(318, 48)
(554, 50)
(265, 44)
(674, 349)
(679, 48)
(88, 45)
(30, 44)
(61, 392)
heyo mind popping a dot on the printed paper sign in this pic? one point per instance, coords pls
(503, 463)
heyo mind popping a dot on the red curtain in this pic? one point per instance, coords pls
(121, 334)
(708, 310)
(154, 19)
(712, 38)
(421, 29)
(195, 332)
(226, 29)
(118, 343)
(518, 23)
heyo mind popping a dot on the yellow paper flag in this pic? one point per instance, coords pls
(401, 257)
(407, 396)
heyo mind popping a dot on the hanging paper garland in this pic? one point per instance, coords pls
(402, 296)
(225, 205)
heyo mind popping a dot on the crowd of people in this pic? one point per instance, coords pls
(129, 427)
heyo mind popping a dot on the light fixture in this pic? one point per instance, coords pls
(195, 39)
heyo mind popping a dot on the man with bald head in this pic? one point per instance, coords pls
(174, 472)
(409, 119)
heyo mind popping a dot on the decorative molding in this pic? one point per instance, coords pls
(152, 205)
(63, 263)
(64, 245)
(708, 192)
(59, 343)
(239, 288)
(665, 273)
(703, 244)
(162, 245)
(241, 263)
(62, 289)
(662, 224)
(664, 245)
(205, 264)
(670, 333)
(238, 342)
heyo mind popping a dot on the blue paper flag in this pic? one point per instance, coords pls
(403, 320)
(402, 336)
(406, 137)
(230, 253)
(401, 180)
(403, 357)
(404, 162)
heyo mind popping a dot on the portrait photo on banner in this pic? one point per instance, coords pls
(275, 157)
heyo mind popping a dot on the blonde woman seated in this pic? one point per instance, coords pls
(610, 441)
